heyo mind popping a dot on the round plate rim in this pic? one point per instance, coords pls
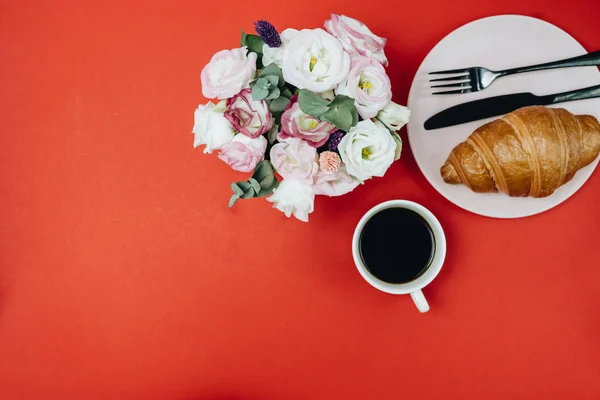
(411, 95)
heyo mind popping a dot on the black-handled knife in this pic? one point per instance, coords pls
(500, 105)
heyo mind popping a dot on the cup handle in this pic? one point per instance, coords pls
(420, 301)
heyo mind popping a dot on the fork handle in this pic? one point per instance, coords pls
(580, 94)
(585, 60)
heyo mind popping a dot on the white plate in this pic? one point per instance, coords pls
(497, 43)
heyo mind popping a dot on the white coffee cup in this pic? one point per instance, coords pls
(413, 287)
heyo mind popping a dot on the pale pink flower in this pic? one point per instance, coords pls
(356, 37)
(211, 128)
(247, 116)
(329, 162)
(336, 184)
(294, 198)
(368, 85)
(243, 153)
(295, 123)
(295, 159)
(227, 73)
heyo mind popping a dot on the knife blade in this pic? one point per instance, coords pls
(500, 105)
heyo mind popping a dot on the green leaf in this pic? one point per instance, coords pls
(262, 82)
(273, 94)
(342, 113)
(236, 189)
(248, 193)
(269, 190)
(253, 42)
(342, 102)
(233, 199)
(311, 103)
(264, 174)
(244, 186)
(287, 93)
(272, 134)
(273, 70)
(343, 118)
(259, 93)
(255, 184)
(262, 170)
(273, 80)
(279, 104)
(268, 181)
(354, 116)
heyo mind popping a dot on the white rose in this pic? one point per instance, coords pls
(356, 37)
(315, 60)
(294, 197)
(211, 128)
(367, 150)
(394, 116)
(275, 54)
(368, 85)
(227, 73)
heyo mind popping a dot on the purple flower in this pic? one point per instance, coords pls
(334, 140)
(267, 33)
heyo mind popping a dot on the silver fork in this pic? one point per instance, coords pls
(474, 79)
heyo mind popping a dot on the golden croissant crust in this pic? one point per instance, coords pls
(529, 152)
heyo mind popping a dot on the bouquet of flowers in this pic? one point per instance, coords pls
(312, 107)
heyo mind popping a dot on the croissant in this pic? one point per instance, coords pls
(529, 152)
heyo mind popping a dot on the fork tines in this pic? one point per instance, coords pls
(461, 80)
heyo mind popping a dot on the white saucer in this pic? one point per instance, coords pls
(496, 43)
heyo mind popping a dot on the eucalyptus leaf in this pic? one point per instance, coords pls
(279, 104)
(255, 185)
(341, 118)
(273, 70)
(259, 93)
(269, 190)
(253, 42)
(272, 79)
(268, 181)
(244, 186)
(233, 199)
(354, 116)
(312, 104)
(262, 170)
(273, 94)
(272, 134)
(287, 93)
(236, 189)
(342, 102)
(262, 82)
(248, 193)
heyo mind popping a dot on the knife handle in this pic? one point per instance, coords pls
(585, 60)
(580, 94)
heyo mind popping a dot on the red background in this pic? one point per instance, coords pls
(123, 275)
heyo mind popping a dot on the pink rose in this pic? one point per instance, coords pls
(228, 72)
(295, 159)
(243, 153)
(356, 37)
(336, 184)
(247, 116)
(294, 123)
(368, 85)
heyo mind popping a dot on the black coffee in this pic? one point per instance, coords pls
(397, 245)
